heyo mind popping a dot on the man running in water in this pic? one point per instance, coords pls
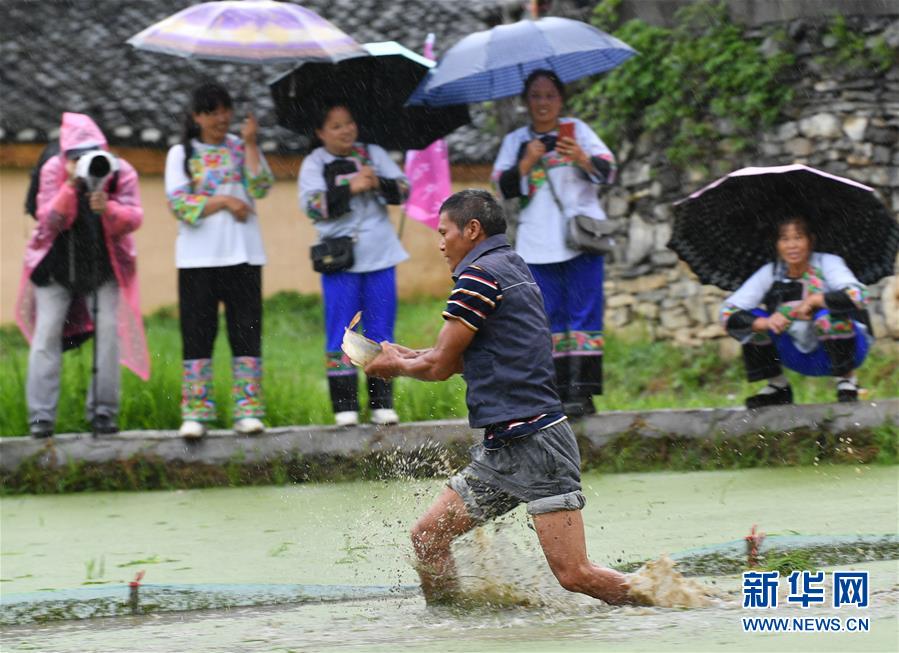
(497, 335)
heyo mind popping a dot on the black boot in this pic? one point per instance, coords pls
(761, 361)
(380, 393)
(841, 353)
(344, 393)
(380, 400)
(584, 382)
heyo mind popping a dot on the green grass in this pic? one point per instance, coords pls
(639, 374)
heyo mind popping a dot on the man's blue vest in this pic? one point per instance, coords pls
(508, 366)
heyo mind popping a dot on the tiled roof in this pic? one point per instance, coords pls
(71, 55)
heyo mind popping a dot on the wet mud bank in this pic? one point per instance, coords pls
(619, 441)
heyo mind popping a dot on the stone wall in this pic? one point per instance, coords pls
(842, 120)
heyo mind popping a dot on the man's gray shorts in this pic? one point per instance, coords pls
(542, 469)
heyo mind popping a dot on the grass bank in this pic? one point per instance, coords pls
(639, 374)
(629, 452)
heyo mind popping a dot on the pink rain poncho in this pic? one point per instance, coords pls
(57, 208)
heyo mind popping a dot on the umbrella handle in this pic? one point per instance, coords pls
(399, 231)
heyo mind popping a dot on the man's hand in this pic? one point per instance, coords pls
(386, 364)
(98, 202)
(436, 364)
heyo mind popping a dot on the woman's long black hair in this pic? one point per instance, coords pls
(206, 98)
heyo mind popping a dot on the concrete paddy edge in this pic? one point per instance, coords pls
(612, 441)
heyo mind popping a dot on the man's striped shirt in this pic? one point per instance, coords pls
(475, 296)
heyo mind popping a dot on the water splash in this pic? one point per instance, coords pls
(497, 569)
(659, 583)
(500, 566)
(429, 459)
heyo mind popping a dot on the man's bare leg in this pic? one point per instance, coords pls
(432, 536)
(561, 535)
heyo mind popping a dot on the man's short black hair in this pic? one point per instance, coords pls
(474, 204)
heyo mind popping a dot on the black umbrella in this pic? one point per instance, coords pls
(375, 89)
(727, 230)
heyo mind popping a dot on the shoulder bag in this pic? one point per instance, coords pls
(582, 232)
(335, 254)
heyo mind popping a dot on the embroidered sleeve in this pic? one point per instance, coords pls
(847, 292)
(735, 315)
(604, 168)
(258, 185)
(325, 204)
(736, 321)
(185, 204)
(474, 297)
(601, 158)
(846, 300)
(317, 205)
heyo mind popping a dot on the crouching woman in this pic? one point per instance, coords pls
(805, 311)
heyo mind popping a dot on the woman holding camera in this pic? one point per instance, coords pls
(82, 249)
(554, 166)
(344, 189)
(211, 181)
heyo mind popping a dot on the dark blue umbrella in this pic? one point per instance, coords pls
(495, 63)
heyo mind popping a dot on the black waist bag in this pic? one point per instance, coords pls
(332, 255)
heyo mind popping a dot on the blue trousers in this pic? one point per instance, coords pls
(573, 299)
(345, 293)
(572, 293)
(832, 357)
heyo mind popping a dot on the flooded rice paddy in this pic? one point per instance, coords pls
(326, 567)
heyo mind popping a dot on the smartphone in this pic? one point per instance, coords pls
(566, 130)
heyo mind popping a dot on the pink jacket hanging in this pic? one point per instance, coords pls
(57, 208)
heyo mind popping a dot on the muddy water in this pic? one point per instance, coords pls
(354, 534)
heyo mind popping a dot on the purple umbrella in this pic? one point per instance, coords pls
(248, 31)
(726, 230)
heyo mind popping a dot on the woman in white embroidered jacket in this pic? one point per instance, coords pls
(211, 180)
(345, 187)
(568, 153)
(806, 311)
